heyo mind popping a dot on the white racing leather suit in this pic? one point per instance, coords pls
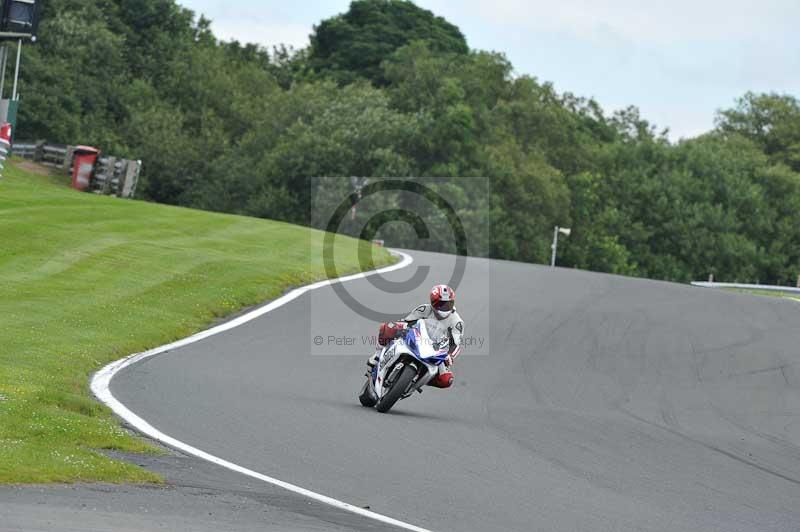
(453, 323)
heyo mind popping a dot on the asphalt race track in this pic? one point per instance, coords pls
(596, 403)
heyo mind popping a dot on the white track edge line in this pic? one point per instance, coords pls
(101, 381)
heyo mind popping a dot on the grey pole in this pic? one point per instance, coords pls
(3, 63)
(554, 247)
(14, 93)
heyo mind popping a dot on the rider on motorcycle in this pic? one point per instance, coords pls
(442, 307)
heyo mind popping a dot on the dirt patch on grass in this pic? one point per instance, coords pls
(34, 168)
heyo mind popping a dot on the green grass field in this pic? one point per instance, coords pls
(85, 280)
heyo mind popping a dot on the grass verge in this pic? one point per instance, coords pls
(85, 280)
(768, 293)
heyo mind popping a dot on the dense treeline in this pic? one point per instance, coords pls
(388, 89)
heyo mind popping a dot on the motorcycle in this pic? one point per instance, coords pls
(405, 365)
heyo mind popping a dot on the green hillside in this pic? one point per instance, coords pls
(85, 280)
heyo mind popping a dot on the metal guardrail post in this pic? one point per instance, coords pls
(110, 167)
(68, 157)
(130, 179)
(38, 153)
(118, 176)
(138, 174)
(100, 175)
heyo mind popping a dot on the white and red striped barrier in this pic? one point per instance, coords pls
(5, 145)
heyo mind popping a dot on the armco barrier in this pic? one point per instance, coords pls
(26, 150)
(110, 175)
(117, 177)
(55, 156)
(769, 288)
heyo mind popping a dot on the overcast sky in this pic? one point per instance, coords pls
(678, 61)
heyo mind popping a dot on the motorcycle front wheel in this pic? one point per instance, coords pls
(398, 389)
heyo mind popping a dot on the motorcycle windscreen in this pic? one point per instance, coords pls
(431, 340)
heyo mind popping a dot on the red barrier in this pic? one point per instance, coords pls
(84, 158)
(5, 145)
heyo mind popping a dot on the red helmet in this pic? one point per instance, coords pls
(443, 300)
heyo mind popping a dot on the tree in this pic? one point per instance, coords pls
(61, 98)
(353, 45)
(311, 131)
(156, 33)
(770, 120)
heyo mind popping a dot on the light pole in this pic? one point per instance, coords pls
(358, 184)
(14, 93)
(566, 231)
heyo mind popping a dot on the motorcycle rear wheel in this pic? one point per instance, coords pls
(367, 396)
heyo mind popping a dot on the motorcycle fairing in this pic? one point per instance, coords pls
(417, 348)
